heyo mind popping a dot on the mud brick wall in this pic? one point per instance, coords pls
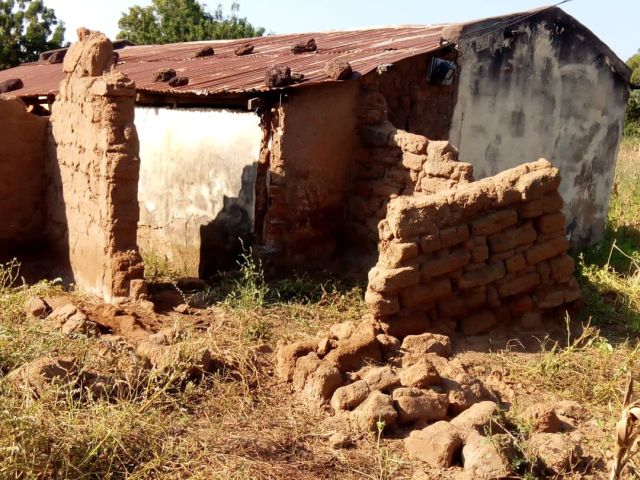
(22, 181)
(93, 182)
(475, 255)
(391, 162)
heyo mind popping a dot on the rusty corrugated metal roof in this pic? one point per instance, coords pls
(227, 73)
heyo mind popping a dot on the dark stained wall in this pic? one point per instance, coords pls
(544, 87)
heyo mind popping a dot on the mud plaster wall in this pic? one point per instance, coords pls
(197, 185)
(22, 181)
(313, 135)
(543, 89)
(475, 256)
(93, 175)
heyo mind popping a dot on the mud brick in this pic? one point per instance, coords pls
(520, 305)
(478, 323)
(425, 294)
(544, 270)
(483, 276)
(494, 222)
(396, 254)
(552, 202)
(454, 235)
(519, 284)
(516, 263)
(499, 257)
(551, 222)
(462, 303)
(479, 239)
(449, 263)
(531, 209)
(381, 304)
(546, 250)
(413, 161)
(562, 268)
(480, 253)
(512, 238)
(493, 299)
(392, 279)
(430, 243)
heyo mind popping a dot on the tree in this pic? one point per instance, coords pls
(26, 31)
(171, 21)
(632, 115)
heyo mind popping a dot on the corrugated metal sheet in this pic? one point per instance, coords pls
(227, 73)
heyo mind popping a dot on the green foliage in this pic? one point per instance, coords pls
(632, 115)
(26, 31)
(171, 21)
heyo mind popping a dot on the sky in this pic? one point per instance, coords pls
(614, 21)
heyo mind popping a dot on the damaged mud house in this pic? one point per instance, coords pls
(183, 149)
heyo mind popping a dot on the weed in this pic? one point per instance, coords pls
(159, 268)
(250, 289)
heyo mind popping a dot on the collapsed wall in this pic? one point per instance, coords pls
(94, 171)
(475, 255)
(22, 181)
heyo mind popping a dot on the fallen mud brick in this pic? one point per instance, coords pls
(494, 222)
(245, 49)
(462, 395)
(278, 76)
(552, 202)
(376, 410)
(478, 323)
(422, 374)
(556, 451)
(384, 379)
(338, 70)
(543, 418)
(414, 404)
(483, 417)
(179, 81)
(350, 396)
(340, 440)
(44, 374)
(562, 268)
(38, 308)
(304, 367)
(437, 445)
(355, 352)
(519, 284)
(428, 343)
(287, 356)
(321, 384)
(512, 238)
(546, 250)
(483, 276)
(551, 222)
(164, 75)
(516, 263)
(425, 294)
(343, 330)
(388, 344)
(206, 51)
(409, 142)
(483, 459)
(11, 85)
(381, 305)
(391, 280)
(520, 305)
(307, 46)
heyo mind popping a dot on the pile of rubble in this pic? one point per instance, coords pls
(372, 381)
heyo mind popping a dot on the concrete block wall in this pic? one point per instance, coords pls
(94, 170)
(476, 255)
(22, 180)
